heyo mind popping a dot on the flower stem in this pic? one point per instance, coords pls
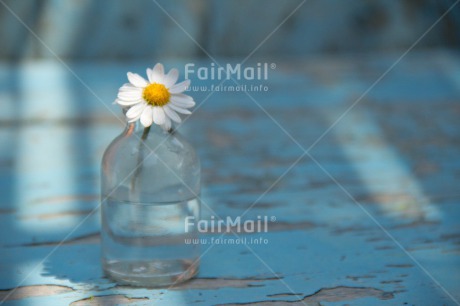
(145, 133)
(140, 158)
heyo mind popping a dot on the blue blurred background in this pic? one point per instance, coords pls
(85, 29)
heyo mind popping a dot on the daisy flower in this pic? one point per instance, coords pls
(156, 100)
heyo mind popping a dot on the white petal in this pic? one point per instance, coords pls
(179, 109)
(172, 114)
(135, 111)
(183, 97)
(128, 87)
(167, 125)
(127, 103)
(158, 115)
(183, 104)
(171, 78)
(157, 74)
(149, 73)
(179, 87)
(182, 100)
(137, 80)
(147, 116)
(159, 68)
(129, 95)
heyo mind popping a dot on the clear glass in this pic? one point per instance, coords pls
(150, 185)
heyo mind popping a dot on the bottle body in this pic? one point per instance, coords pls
(150, 186)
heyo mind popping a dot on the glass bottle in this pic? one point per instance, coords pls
(150, 186)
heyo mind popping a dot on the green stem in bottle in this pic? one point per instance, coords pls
(140, 158)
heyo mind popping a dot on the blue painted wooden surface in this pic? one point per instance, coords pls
(396, 153)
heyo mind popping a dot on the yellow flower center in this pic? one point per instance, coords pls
(156, 94)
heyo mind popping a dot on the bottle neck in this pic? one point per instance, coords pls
(133, 127)
(137, 128)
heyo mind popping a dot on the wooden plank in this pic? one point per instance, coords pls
(395, 153)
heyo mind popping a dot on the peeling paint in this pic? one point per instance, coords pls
(33, 291)
(336, 294)
(115, 299)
